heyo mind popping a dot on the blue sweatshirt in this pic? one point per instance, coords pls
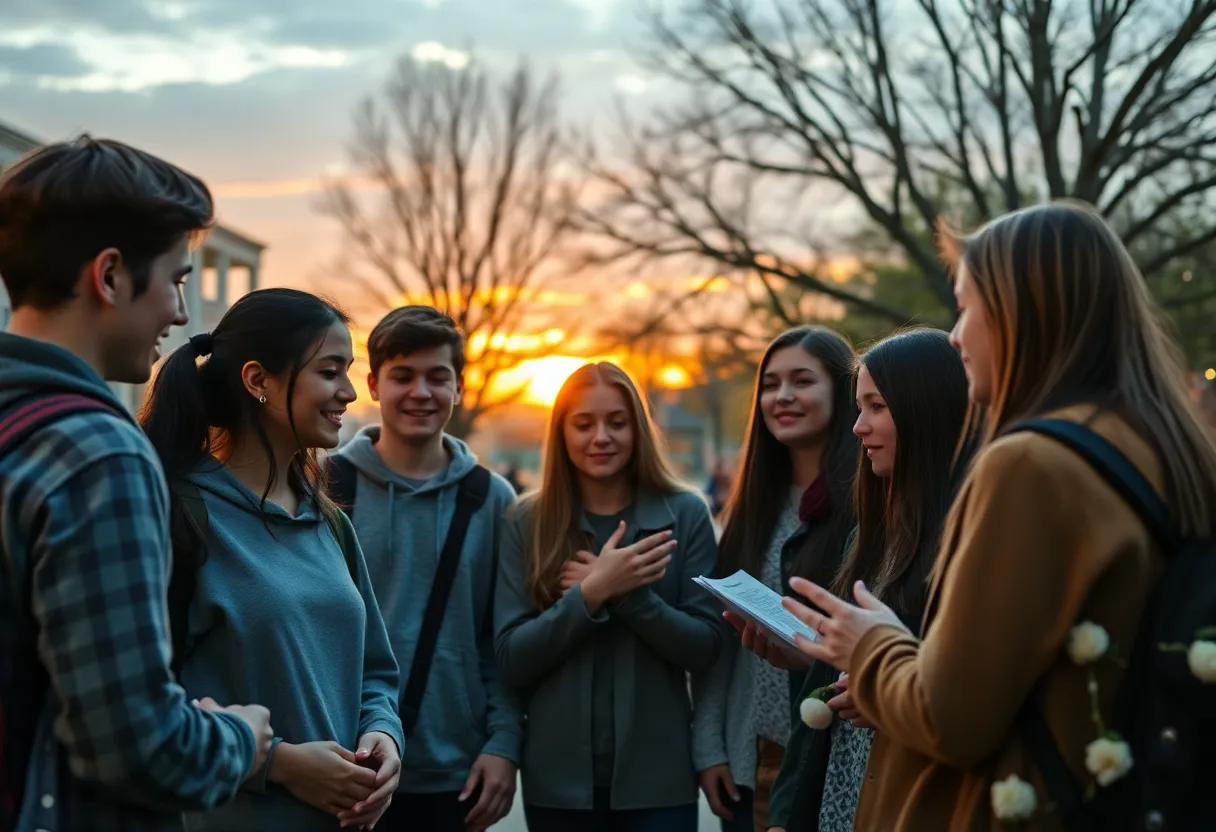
(466, 711)
(276, 619)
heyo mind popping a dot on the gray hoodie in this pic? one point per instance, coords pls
(466, 711)
(277, 619)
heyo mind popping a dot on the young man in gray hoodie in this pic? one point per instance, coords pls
(459, 764)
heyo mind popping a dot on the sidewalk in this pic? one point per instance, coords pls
(514, 822)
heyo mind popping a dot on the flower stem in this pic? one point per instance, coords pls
(1095, 712)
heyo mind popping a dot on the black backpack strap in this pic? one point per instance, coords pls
(474, 488)
(343, 482)
(1124, 477)
(184, 579)
(1064, 789)
(1118, 471)
(345, 532)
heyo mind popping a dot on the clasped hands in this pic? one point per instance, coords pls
(618, 569)
(355, 786)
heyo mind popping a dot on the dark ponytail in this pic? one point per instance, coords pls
(199, 404)
(175, 414)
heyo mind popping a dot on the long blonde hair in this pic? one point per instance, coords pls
(1074, 323)
(554, 507)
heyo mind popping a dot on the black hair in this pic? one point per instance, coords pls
(766, 470)
(195, 407)
(900, 517)
(62, 205)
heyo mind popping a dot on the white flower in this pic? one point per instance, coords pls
(815, 713)
(1108, 760)
(1202, 660)
(1087, 642)
(1013, 799)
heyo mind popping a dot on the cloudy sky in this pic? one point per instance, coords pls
(256, 95)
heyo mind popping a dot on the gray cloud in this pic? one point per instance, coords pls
(113, 15)
(42, 60)
(288, 124)
(540, 25)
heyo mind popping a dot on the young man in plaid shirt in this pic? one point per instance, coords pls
(95, 734)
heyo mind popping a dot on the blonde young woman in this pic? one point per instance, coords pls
(598, 620)
(1054, 319)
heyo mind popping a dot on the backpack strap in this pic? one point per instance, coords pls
(345, 532)
(1118, 471)
(343, 483)
(22, 418)
(474, 488)
(1125, 478)
(184, 579)
(1064, 789)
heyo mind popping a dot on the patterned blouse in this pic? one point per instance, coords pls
(846, 771)
(772, 685)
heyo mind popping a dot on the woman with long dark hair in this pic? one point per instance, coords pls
(789, 514)
(270, 599)
(601, 644)
(911, 392)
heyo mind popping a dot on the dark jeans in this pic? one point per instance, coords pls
(438, 812)
(603, 819)
(742, 811)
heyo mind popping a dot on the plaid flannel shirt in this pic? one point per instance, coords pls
(84, 551)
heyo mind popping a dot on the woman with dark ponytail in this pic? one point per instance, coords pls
(270, 595)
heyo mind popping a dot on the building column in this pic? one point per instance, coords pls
(222, 262)
(194, 294)
(253, 277)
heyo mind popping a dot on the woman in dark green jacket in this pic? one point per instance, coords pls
(912, 395)
(598, 621)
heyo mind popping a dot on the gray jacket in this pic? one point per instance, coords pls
(672, 627)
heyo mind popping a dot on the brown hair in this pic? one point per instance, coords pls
(1073, 324)
(554, 507)
(409, 329)
(766, 471)
(62, 205)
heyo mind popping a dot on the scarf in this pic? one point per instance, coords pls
(816, 501)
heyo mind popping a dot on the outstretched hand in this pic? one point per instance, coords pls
(841, 624)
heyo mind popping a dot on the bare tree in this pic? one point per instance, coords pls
(912, 109)
(716, 329)
(468, 210)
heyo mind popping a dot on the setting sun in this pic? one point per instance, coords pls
(542, 378)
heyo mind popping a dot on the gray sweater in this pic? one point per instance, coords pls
(276, 619)
(742, 697)
(670, 627)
